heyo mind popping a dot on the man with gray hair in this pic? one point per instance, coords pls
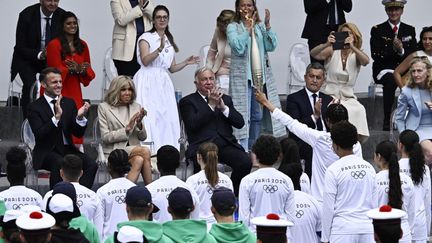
(209, 115)
(308, 106)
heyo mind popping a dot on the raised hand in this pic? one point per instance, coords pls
(58, 110)
(72, 66)
(267, 18)
(331, 38)
(397, 45)
(317, 108)
(162, 44)
(132, 122)
(192, 60)
(83, 110)
(349, 40)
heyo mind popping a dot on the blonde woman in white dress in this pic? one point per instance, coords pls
(343, 67)
(155, 90)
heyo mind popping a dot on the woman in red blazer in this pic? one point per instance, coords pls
(71, 56)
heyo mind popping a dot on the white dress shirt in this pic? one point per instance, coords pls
(311, 101)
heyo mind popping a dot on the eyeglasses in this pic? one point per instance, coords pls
(161, 17)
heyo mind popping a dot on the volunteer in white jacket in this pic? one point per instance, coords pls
(18, 195)
(266, 190)
(87, 200)
(307, 221)
(320, 141)
(412, 163)
(393, 187)
(208, 179)
(349, 189)
(168, 160)
(113, 193)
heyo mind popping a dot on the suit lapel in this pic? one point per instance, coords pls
(115, 112)
(417, 98)
(307, 101)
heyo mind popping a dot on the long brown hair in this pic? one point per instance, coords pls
(209, 154)
(167, 32)
(77, 43)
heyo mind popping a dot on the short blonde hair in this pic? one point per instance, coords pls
(425, 60)
(358, 40)
(112, 96)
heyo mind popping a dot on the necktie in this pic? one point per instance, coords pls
(395, 29)
(318, 121)
(332, 13)
(206, 98)
(47, 31)
(54, 102)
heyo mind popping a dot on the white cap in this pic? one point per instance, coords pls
(271, 220)
(30, 208)
(385, 212)
(61, 203)
(35, 221)
(130, 234)
(12, 214)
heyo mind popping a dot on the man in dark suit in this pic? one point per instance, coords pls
(390, 43)
(37, 25)
(323, 16)
(53, 120)
(308, 106)
(209, 116)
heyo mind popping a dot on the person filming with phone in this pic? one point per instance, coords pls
(343, 57)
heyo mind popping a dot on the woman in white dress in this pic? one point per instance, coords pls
(343, 67)
(155, 90)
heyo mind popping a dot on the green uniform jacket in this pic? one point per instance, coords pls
(152, 231)
(86, 227)
(232, 233)
(188, 231)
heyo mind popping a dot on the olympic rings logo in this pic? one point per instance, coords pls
(209, 190)
(387, 189)
(17, 206)
(120, 199)
(358, 174)
(270, 188)
(80, 203)
(299, 213)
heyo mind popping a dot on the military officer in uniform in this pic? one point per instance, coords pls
(390, 43)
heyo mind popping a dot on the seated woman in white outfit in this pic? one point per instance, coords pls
(121, 127)
(219, 54)
(155, 90)
(415, 101)
(425, 49)
(343, 67)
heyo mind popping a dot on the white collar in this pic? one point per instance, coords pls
(309, 93)
(49, 99)
(43, 15)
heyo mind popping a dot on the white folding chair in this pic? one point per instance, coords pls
(101, 160)
(109, 71)
(203, 51)
(28, 140)
(15, 91)
(299, 59)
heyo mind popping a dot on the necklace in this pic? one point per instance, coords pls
(344, 58)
